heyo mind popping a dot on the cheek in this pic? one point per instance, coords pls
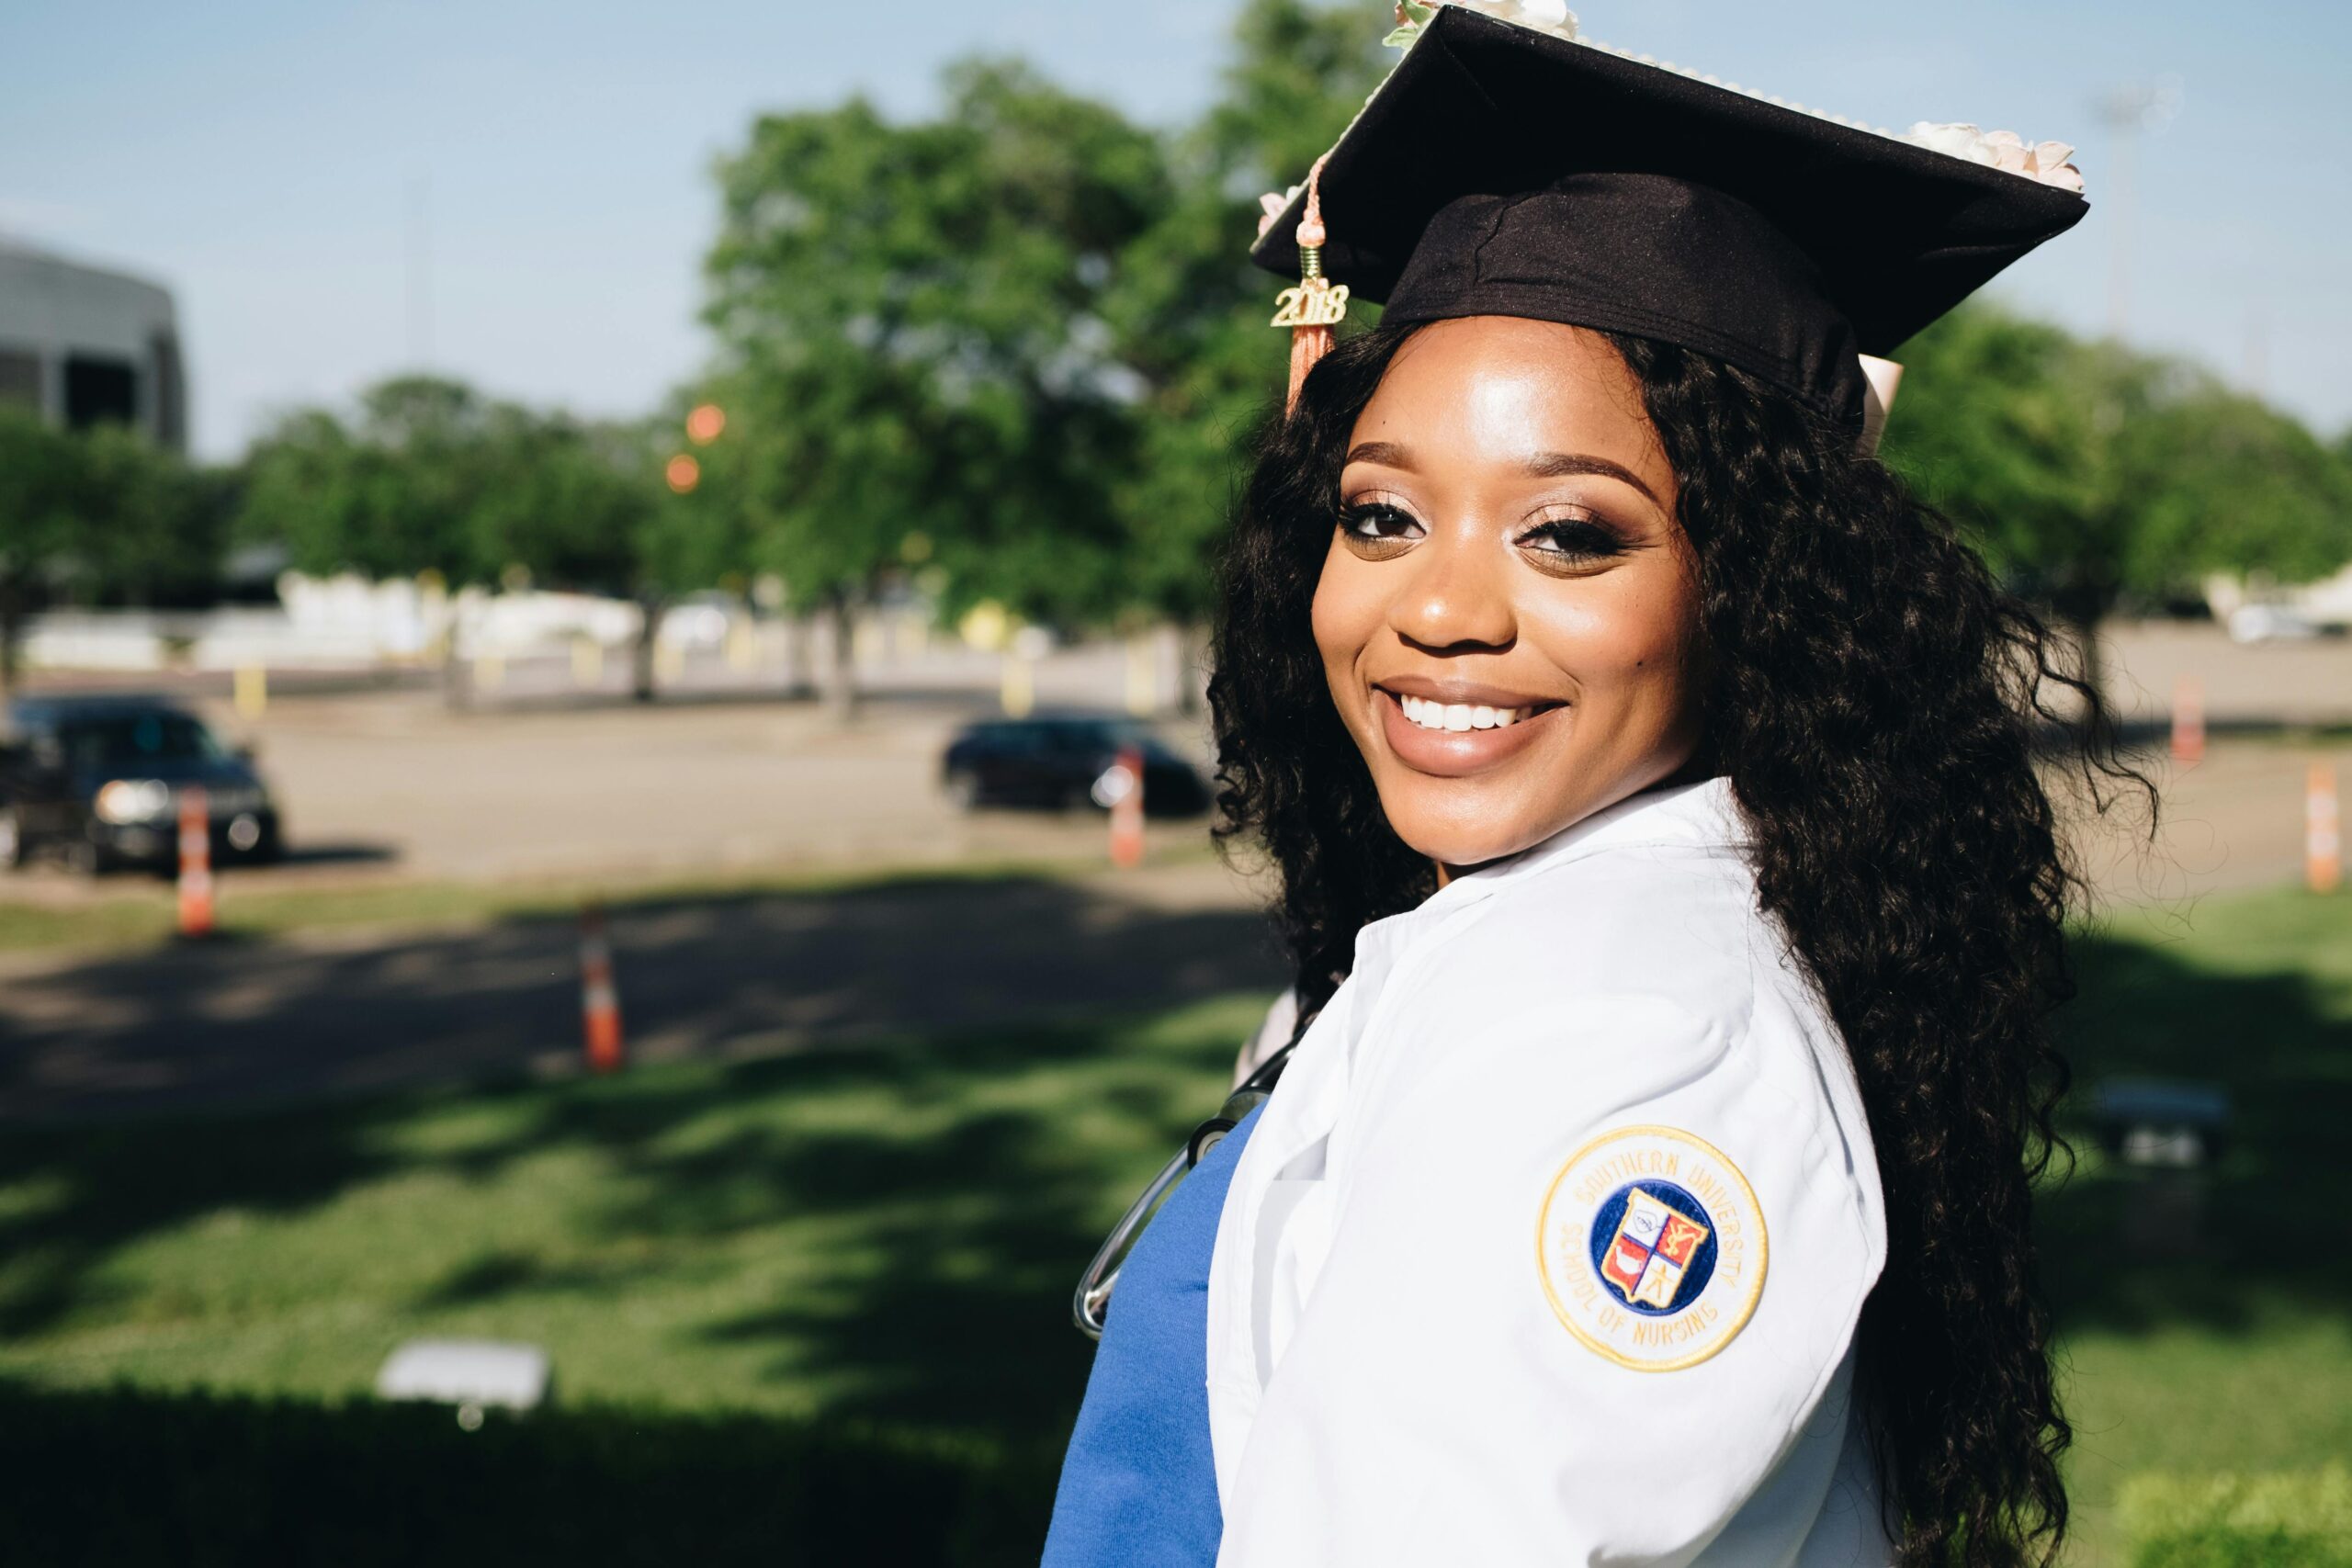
(1628, 639)
(1348, 609)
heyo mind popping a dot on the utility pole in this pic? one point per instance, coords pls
(420, 271)
(2126, 111)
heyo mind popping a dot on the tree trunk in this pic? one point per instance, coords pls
(1191, 666)
(456, 675)
(12, 634)
(648, 630)
(2081, 608)
(800, 653)
(840, 683)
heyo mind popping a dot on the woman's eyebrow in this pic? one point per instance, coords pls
(1545, 465)
(1552, 465)
(1388, 454)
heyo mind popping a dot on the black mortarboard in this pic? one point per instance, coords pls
(1505, 170)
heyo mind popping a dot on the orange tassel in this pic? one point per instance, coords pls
(1311, 310)
(1307, 345)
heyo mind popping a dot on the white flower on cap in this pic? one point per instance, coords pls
(1270, 207)
(1540, 15)
(1543, 15)
(2047, 162)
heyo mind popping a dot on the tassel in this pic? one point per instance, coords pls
(1316, 305)
(1307, 345)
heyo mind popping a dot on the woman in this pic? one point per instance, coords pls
(1674, 903)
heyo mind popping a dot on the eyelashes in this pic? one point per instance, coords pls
(1573, 538)
(1384, 527)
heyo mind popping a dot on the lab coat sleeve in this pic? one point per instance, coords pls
(1433, 1404)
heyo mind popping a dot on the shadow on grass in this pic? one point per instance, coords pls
(2262, 1230)
(760, 972)
(940, 1188)
(965, 1201)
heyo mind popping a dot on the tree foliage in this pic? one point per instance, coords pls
(2089, 473)
(428, 476)
(916, 363)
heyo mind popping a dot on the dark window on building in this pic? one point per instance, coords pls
(20, 378)
(170, 394)
(99, 391)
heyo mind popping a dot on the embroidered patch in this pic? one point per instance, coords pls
(1651, 1245)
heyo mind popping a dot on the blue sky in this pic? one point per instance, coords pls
(265, 157)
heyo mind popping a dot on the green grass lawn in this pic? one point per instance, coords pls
(888, 1235)
(2230, 1349)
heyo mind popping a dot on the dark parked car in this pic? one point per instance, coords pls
(98, 780)
(1061, 763)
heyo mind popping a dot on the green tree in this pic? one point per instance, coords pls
(1191, 311)
(41, 485)
(914, 358)
(432, 477)
(2088, 473)
(392, 494)
(100, 516)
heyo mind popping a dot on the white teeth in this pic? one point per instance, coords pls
(1458, 717)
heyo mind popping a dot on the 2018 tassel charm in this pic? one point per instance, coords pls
(1316, 305)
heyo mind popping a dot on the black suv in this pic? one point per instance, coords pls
(1060, 762)
(98, 780)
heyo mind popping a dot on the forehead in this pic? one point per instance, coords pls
(1502, 386)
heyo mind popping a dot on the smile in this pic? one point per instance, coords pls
(1457, 740)
(1459, 716)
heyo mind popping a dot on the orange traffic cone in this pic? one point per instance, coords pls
(2188, 721)
(2323, 831)
(195, 863)
(1126, 810)
(600, 999)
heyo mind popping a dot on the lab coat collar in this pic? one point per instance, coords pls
(1700, 816)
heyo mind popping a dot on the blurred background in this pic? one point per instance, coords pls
(608, 870)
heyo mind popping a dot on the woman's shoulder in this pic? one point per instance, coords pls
(1634, 980)
(1678, 924)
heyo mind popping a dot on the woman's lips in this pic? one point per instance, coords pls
(1456, 753)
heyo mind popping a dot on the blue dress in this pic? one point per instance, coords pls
(1138, 1485)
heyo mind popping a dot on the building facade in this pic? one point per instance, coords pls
(86, 345)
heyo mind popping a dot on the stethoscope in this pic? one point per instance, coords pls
(1093, 1296)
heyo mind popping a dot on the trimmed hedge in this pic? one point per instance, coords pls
(2294, 1520)
(122, 1477)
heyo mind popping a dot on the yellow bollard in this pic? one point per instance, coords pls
(742, 648)
(587, 662)
(669, 662)
(490, 672)
(253, 691)
(1020, 687)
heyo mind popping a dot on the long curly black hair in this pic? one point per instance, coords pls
(1875, 700)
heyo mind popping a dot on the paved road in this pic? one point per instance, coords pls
(392, 786)
(239, 1021)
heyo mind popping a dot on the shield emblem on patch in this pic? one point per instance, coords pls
(1655, 1241)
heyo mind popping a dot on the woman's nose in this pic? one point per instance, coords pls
(1454, 594)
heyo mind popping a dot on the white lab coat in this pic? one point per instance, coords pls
(1394, 1375)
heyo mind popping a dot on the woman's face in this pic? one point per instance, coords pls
(1507, 614)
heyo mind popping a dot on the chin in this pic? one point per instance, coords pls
(1458, 829)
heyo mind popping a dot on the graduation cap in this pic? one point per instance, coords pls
(1503, 169)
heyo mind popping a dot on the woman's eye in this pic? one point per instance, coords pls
(1571, 539)
(1378, 523)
